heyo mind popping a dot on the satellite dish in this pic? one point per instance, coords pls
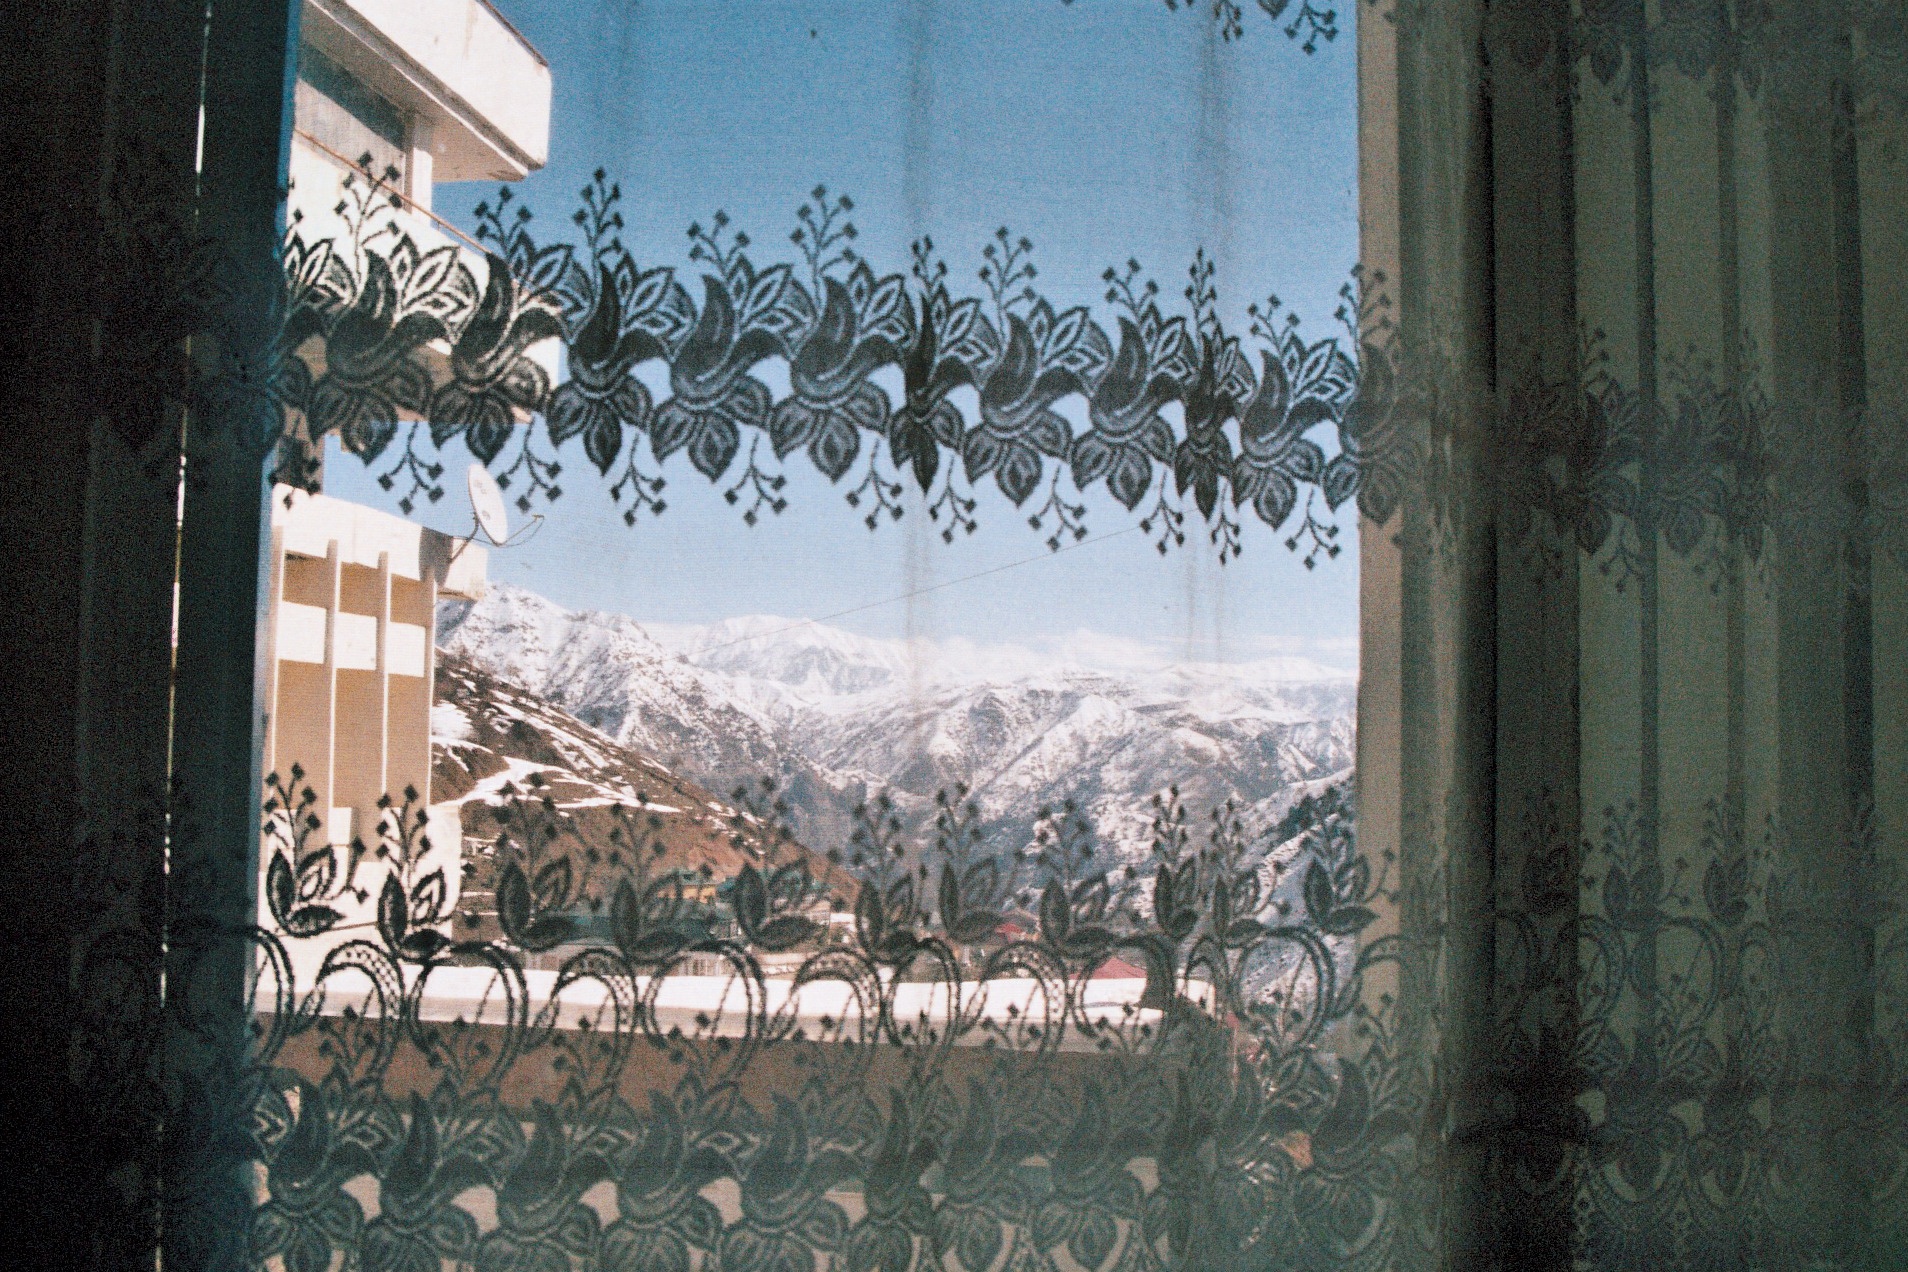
(487, 502)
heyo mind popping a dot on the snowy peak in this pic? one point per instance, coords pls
(820, 662)
(834, 717)
(492, 738)
(611, 674)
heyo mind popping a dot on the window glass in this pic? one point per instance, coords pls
(812, 655)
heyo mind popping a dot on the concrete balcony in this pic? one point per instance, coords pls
(366, 539)
(318, 192)
(477, 94)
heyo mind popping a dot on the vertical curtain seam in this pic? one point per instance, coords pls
(1649, 733)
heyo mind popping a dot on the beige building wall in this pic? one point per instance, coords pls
(352, 656)
(440, 90)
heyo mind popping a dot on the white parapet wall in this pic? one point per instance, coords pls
(310, 523)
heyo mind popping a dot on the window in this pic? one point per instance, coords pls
(912, 635)
(1608, 967)
(335, 110)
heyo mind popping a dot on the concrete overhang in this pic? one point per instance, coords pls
(458, 66)
(366, 537)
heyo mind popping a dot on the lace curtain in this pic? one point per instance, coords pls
(1606, 973)
(1644, 777)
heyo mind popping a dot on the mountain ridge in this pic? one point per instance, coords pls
(498, 748)
(833, 718)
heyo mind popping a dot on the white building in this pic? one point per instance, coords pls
(352, 654)
(432, 90)
(351, 659)
(428, 91)
(441, 90)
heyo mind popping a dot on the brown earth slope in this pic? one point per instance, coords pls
(491, 738)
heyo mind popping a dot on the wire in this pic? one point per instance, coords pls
(905, 596)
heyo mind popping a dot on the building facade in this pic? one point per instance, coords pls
(392, 97)
(350, 664)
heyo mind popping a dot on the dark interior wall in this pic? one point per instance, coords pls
(56, 77)
(143, 164)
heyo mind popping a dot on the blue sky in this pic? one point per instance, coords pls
(1102, 130)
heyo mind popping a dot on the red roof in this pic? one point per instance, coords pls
(1117, 969)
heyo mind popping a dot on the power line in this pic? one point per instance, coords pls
(908, 596)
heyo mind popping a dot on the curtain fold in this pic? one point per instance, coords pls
(1648, 263)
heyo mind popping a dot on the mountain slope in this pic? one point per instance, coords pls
(490, 736)
(834, 717)
(609, 673)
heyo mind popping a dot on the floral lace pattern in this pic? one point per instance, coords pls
(361, 308)
(1246, 1110)
(1278, 1096)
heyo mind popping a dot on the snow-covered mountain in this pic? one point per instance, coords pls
(834, 717)
(611, 674)
(494, 743)
(490, 738)
(789, 665)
